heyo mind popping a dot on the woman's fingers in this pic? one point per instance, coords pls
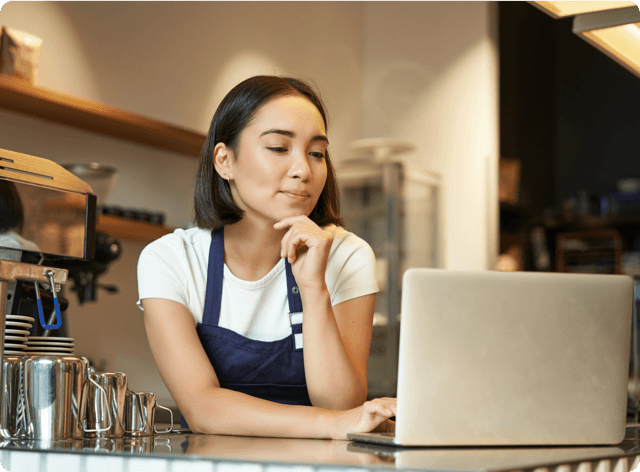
(289, 221)
(387, 426)
(290, 243)
(371, 416)
(385, 402)
(298, 240)
(375, 413)
(303, 233)
(384, 407)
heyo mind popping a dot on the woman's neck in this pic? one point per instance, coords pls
(251, 249)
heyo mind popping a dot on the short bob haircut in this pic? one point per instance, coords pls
(213, 203)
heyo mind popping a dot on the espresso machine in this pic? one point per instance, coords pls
(47, 236)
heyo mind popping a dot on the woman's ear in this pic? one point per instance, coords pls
(223, 161)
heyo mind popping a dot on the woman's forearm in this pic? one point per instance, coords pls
(223, 411)
(333, 380)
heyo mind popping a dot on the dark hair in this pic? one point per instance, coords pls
(213, 204)
(11, 212)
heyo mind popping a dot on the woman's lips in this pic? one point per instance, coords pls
(296, 195)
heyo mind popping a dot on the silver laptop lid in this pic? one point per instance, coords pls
(494, 358)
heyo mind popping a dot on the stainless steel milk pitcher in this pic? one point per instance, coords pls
(55, 393)
(140, 412)
(115, 386)
(12, 408)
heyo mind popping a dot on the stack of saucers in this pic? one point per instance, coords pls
(16, 332)
(49, 346)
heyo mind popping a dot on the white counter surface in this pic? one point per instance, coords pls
(208, 453)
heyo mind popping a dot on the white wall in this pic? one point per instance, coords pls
(423, 72)
(430, 78)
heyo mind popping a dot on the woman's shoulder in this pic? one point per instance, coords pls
(345, 243)
(342, 236)
(181, 240)
(350, 267)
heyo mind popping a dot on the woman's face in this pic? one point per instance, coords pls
(279, 168)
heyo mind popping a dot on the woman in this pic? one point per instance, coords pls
(223, 302)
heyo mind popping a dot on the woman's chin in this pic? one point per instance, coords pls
(292, 212)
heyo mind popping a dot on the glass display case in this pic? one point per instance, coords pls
(394, 207)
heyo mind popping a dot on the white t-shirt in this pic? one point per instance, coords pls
(174, 267)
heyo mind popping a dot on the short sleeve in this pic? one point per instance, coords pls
(161, 273)
(350, 268)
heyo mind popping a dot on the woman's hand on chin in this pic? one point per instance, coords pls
(307, 247)
(372, 416)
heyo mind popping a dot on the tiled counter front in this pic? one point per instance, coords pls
(202, 453)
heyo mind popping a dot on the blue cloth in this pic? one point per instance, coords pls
(271, 370)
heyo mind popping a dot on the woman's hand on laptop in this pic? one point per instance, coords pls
(371, 416)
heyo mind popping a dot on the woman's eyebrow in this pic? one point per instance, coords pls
(291, 134)
(283, 132)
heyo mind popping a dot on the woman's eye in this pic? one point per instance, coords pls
(277, 149)
(320, 155)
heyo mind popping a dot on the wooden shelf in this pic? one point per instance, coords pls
(132, 230)
(21, 97)
(594, 247)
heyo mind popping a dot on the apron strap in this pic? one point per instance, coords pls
(215, 273)
(295, 307)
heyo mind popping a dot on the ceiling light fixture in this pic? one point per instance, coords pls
(564, 9)
(614, 32)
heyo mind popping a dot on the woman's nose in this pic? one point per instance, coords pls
(300, 167)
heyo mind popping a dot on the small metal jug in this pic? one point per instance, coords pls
(140, 413)
(115, 386)
(12, 408)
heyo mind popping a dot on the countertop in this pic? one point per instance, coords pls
(195, 452)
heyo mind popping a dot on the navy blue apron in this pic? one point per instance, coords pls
(271, 370)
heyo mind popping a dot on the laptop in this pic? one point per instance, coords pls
(508, 359)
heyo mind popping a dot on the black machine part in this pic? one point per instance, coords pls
(85, 276)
